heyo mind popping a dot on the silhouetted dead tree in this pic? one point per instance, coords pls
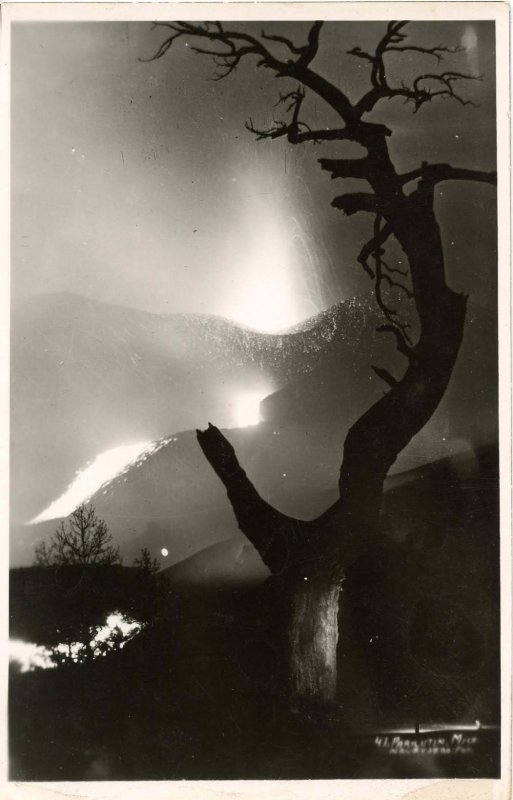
(311, 557)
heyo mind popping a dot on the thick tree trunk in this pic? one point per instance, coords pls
(312, 636)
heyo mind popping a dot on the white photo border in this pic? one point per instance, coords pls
(362, 789)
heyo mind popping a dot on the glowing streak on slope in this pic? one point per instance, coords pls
(104, 467)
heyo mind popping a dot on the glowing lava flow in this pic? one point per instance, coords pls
(87, 481)
(116, 461)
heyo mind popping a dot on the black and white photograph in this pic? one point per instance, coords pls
(255, 474)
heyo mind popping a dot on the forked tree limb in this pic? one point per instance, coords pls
(308, 52)
(373, 246)
(297, 133)
(273, 534)
(402, 345)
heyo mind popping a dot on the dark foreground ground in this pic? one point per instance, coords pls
(171, 705)
(200, 693)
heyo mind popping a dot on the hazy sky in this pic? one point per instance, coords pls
(137, 183)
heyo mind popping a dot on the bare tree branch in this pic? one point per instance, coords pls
(424, 88)
(403, 272)
(237, 45)
(436, 173)
(373, 246)
(446, 79)
(215, 33)
(377, 252)
(283, 40)
(395, 284)
(310, 51)
(385, 375)
(438, 52)
(351, 203)
(346, 167)
(401, 342)
(359, 53)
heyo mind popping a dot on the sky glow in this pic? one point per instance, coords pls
(128, 195)
(268, 293)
